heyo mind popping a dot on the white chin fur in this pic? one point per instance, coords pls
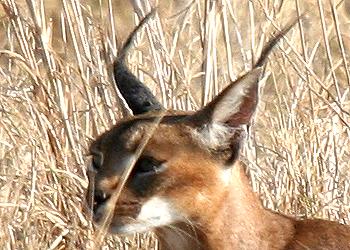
(130, 228)
(156, 212)
(226, 176)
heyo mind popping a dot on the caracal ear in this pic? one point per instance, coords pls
(219, 125)
(235, 105)
(136, 94)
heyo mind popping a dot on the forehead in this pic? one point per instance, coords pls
(127, 131)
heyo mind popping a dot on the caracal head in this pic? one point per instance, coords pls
(183, 168)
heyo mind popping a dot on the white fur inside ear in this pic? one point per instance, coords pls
(214, 135)
(233, 99)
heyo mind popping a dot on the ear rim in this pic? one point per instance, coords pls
(136, 94)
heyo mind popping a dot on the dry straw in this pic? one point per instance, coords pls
(57, 94)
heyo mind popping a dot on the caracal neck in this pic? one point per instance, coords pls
(239, 222)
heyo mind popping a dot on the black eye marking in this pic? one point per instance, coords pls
(146, 166)
(144, 175)
(99, 198)
(97, 160)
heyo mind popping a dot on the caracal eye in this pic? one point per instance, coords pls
(147, 165)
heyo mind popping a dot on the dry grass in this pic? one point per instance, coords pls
(57, 94)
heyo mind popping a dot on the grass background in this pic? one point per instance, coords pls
(57, 94)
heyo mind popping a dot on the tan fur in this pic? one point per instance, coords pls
(222, 217)
(188, 184)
